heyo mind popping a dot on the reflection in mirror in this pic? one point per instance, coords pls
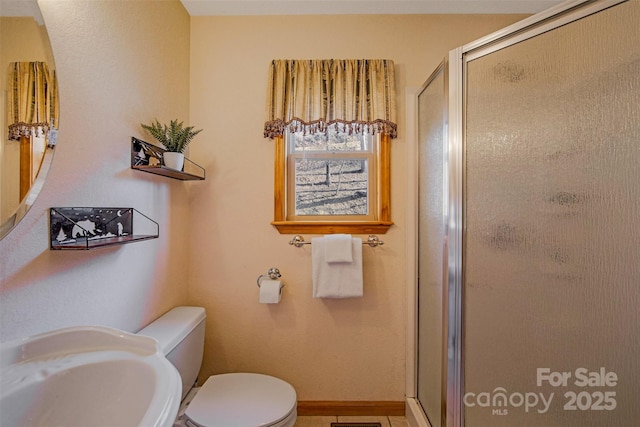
(28, 110)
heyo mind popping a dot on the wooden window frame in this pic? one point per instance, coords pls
(383, 194)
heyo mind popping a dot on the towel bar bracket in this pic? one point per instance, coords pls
(373, 241)
(298, 241)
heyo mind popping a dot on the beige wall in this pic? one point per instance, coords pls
(328, 349)
(122, 63)
(119, 64)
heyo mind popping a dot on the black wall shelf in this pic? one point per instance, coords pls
(147, 157)
(79, 228)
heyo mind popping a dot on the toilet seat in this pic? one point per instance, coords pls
(243, 400)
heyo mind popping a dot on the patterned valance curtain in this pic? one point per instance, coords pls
(309, 95)
(32, 99)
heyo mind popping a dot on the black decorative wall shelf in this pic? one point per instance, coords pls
(89, 228)
(147, 157)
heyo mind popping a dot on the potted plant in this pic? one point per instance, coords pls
(175, 139)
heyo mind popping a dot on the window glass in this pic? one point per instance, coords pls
(330, 175)
(331, 187)
(332, 140)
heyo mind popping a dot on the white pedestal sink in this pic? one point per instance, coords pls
(87, 376)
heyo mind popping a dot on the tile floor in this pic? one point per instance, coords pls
(325, 421)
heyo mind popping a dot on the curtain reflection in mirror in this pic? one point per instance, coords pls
(32, 115)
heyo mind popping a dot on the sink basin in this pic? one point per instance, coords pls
(87, 376)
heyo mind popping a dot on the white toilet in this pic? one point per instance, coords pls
(226, 400)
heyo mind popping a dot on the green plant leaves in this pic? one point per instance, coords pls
(174, 137)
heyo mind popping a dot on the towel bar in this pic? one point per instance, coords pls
(372, 241)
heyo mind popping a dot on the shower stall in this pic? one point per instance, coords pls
(528, 217)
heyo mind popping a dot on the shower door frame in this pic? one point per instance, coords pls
(453, 357)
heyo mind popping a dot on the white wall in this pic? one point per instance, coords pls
(119, 64)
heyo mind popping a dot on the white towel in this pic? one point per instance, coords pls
(337, 248)
(338, 279)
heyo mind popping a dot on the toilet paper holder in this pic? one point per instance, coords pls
(273, 274)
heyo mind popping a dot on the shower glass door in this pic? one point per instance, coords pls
(431, 226)
(551, 249)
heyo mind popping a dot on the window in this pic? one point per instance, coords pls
(330, 175)
(332, 182)
(331, 121)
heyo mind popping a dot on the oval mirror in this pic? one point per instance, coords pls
(27, 77)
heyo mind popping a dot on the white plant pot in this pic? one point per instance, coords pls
(173, 160)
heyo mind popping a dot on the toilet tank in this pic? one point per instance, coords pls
(180, 332)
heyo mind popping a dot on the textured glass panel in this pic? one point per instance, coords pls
(552, 243)
(431, 125)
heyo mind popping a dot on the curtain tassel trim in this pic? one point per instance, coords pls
(22, 129)
(277, 128)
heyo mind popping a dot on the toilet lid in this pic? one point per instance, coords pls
(242, 400)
